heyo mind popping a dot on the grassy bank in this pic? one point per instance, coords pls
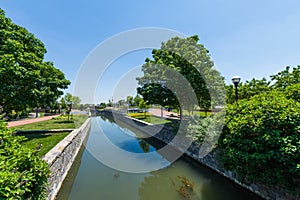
(46, 141)
(147, 117)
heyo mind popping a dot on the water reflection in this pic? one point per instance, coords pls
(144, 145)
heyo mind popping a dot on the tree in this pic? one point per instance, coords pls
(286, 77)
(192, 63)
(26, 80)
(110, 103)
(69, 100)
(76, 101)
(63, 103)
(102, 105)
(136, 100)
(143, 105)
(129, 100)
(121, 103)
(157, 94)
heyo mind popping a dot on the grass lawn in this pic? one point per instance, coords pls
(48, 141)
(200, 113)
(173, 124)
(155, 120)
(60, 122)
(149, 118)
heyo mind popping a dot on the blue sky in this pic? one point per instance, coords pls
(246, 38)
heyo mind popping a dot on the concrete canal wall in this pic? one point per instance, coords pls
(61, 157)
(211, 160)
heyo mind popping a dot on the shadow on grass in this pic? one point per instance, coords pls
(30, 136)
(64, 122)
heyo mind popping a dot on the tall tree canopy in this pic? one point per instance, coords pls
(26, 80)
(177, 61)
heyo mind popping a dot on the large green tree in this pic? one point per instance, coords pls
(26, 80)
(177, 61)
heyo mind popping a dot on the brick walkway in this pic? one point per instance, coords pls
(29, 121)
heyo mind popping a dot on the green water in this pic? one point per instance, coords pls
(184, 179)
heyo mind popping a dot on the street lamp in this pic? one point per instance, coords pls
(236, 80)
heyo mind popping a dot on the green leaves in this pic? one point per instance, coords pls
(286, 77)
(23, 175)
(26, 80)
(261, 139)
(181, 60)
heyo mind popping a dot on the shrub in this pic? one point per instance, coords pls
(23, 175)
(198, 129)
(261, 140)
(293, 92)
(139, 115)
(206, 131)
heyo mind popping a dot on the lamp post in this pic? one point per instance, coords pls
(236, 80)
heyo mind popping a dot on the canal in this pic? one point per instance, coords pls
(95, 175)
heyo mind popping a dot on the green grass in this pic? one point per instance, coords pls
(60, 122)
(173, 124)
(47, 140)
(154, 120)
(200, 113)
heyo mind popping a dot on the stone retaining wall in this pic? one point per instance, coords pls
(61, 157)
(211, 160)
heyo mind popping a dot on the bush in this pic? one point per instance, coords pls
(261, 140)
(23, 175)
(293, 92)
(198, 129)
(206, 131)
(139, 115)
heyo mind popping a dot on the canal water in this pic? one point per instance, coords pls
(92, 177)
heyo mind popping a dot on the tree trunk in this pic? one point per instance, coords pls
(37, 112)
(180, 112)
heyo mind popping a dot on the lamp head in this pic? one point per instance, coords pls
(236, 80)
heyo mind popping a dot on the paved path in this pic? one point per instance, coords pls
(30, 121)
(166, 114)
